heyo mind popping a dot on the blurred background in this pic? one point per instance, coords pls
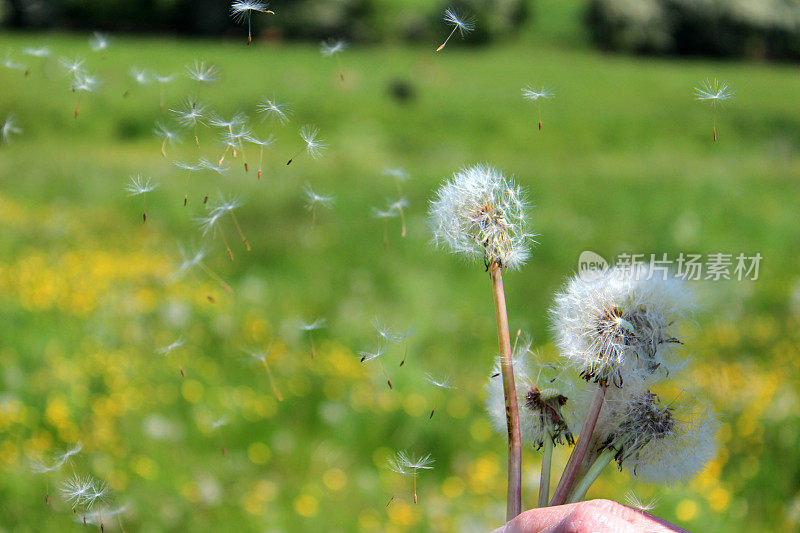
(197, 439)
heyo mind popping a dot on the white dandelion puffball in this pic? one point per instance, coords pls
(620, 326)
(482, 214)
(662, 443)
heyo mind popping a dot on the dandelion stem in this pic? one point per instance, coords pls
(580, 449)
(260, 160)
(544, 480)
(539, 108)
(311, 340)
(441, 46)
(224, 240)
(514, 497)
(414, 482)
(385, 234)
(239, 229)
(402, 221)
(272, 382)
(249, 34)
(580, 490)
(211, 274)
(341, 70)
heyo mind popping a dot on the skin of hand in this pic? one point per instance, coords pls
(593, 516)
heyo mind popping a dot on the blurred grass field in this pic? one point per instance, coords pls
(625, 163)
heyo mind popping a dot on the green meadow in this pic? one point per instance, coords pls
(197, 439)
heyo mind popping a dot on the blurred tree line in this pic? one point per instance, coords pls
(357, 20)
(765, 29)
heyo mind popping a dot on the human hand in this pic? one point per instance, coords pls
(592, 516)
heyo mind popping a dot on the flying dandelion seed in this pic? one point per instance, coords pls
(243, 9)
(314, 146)
(717, 93)
(139, 77)
(202, 73)
(71, 65)
(462, 23)
(334, 48)
(162, 81)
(9, 128)
(228, 206)
(239, 119)
(237, 138)
(537, 95)
(261, 143)
(10, 64)
(385, 215)
(443, 383)
(208, 165)
(314, 200)
(37, 52)
(190, 169)
(274, 110)
(168, 137)
(370, 355)
(260, 357)
(311, 327)
(83, 82)
(190, 114)
(632, 500)
(171, 347)
(99, 42)
(141, 186)
(399, 176)
(410, 465)
(194, 258)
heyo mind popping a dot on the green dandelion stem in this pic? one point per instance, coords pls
(580, 490)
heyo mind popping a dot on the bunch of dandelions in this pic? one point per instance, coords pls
(463, 23)
(410, 465)
(139, 186)
(243, 9)
(482, 215)
(715, 92)
(537, 95)
(618, 330)
(333, 48)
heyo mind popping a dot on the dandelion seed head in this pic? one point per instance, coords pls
(530, 93)
(275, 110)
(369, 355)
(208, 165)
(442, 383)
(313, 199)
(398, 174)
(405, 464)
(71, 65)
(331, 47)
(139, 75)
(482, 215)
(178, 343)
(241, 9)
(312, 326)
(202, 73)
(9, 128)
(165, 133)
(662, 443)
(140, 185)
(98, 41)
(37, 52)
(169, 78)
(190, 113)
(620, 326)
(314, 146)
(83, 81)
(465, 23)
(714, 91)
(632, 500)
(263, 143)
